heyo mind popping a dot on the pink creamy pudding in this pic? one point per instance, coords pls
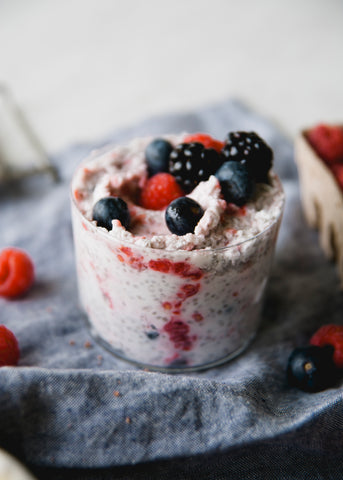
(168, 301)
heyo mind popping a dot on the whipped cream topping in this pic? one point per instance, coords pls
(123, 172)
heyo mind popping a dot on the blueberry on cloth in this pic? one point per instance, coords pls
(182, 215)
(111, 208)
(192, 163)
(311, 368)
(157, 156)
(250, 149)
(236, 183)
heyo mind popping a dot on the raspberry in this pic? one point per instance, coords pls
(206, 140)
(16, 272)
(178, 332)
(337, 170)
(9, 348)
(330, 335)
(159, 191)
(327, 140)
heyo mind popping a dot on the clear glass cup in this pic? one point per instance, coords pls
(172, 311)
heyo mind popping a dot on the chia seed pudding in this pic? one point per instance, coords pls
(162, 300)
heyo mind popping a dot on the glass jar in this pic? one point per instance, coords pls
(172, 310)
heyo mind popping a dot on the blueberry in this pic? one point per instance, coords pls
(312, 368)
(236, 183)
(111, 208)
(182, 215)
(157, 156)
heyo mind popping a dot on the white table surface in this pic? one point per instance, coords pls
(80, 68)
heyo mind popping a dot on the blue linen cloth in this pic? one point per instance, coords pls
(70, 404)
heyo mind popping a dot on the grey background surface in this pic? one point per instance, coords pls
(58, 408)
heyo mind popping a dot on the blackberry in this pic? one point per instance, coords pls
(192, 163)
(248, 148)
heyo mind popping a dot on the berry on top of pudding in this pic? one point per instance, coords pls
(159, 190)
(206, 140)
(249, 149)
(157, 155)
(111, 208)
(192, 163)
(183, 215)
